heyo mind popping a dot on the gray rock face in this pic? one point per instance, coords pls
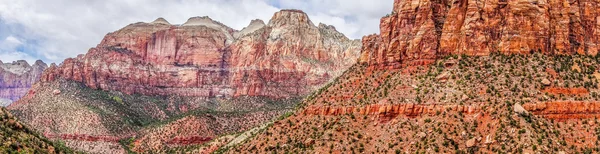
(5, 102)
(16, 78)
(519, 109)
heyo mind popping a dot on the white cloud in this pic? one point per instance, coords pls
(9, 50)
(13, 40)
(66, 28)
(355, 18)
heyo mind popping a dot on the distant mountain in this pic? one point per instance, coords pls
(16, 78)
(156, 86)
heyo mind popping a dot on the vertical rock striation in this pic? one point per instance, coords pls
(288, 57)
(16, 78)
(418, 31)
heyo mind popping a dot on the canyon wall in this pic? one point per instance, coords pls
(16, 78)
(288, 57)
(419, 31)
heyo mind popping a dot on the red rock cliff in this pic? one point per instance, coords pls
(288, 57)
(418, 31)
(16, 78)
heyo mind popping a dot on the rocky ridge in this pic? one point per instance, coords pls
(419, 31)
(149, 84)
(530, 66)
(288, 57)
(16, 78)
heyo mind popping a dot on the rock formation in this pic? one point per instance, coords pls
(288, 57)
(439, 104)
(418, 31)
(563, 110)
(16, 78)
(149, 73)
(383, 110)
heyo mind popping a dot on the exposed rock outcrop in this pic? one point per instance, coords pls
(161, 21)
(153, 72)
(16, 78)
(288, 57)
(563, 110)
(418, 31)
(390, 110)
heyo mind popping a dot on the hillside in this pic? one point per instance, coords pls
(458, 77)
(459, 104)
(17, 138)
(151, 87)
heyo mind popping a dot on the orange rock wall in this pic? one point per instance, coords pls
(421, 30)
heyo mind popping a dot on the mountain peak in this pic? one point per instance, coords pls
(16, 67)
(289, 17)
(161, 21)
(21, 63)
(199, 21)
(324, 26)
(257, 22)
(40, 63)
(254, 25)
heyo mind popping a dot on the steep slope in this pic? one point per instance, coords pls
(289, 57)
(17, 138)
(419, 31)
(16, 78)
(526, 81)
(156, 86)
(464, 104)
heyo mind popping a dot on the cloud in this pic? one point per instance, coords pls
(355, 18)
(57, 29)
(9, 50)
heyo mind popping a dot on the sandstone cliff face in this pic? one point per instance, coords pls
(418, 31)
(16, 78)
(288, 57)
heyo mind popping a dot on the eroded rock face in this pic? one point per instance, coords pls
(186, 69)
(386, 112)
(563, 110)
(16, 78)
(418, 31)
(288, 57)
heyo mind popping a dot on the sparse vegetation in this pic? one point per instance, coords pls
(492, 83)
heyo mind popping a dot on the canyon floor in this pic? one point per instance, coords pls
(459, 104)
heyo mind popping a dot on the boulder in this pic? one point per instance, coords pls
(576, 68)
(471, 142)
(422, 135)
(546, 82)
(443, 77)
(488, 139)
(519, 109)
(56, 92)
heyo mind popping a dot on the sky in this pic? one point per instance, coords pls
(52, 30)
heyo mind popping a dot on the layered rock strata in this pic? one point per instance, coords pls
(419, 31)
(16, 78)
(287, 57)
(563, 110)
